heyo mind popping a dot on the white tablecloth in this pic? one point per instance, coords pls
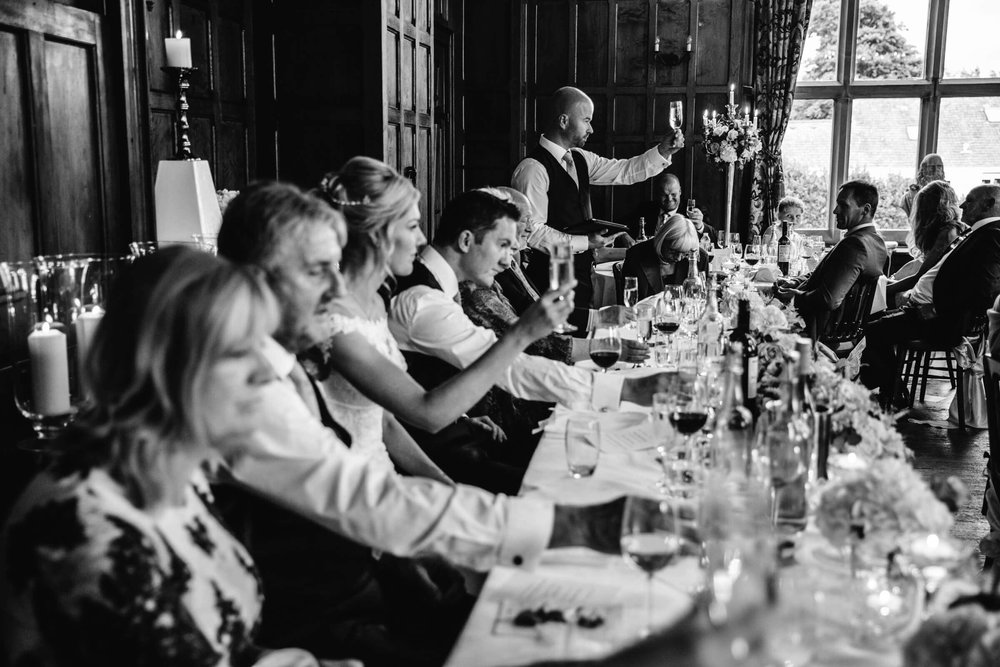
(569, 578)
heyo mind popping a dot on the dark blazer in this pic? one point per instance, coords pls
(641, 261)
(650, 212)
(969, 279)
(859, 256)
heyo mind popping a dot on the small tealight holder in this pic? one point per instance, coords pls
(839, 464)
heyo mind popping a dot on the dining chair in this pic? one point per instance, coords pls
(845, 326)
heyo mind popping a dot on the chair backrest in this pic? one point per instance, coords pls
(847, 323)
(991, 380)
(616, 271)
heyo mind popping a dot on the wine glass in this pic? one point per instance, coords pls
(665, 436)
(688, 415)
(644, 315)
(583, 446)
(753, 251)
(630, 295)
(677, 115)
(605, 345)
(561, 274)
(668, 318)
(650, 540)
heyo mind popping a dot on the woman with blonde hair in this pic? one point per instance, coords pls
(936, 222)
(360, 364)
(663, 260)
(113, 556)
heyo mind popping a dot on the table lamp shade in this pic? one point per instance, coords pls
(186, 202)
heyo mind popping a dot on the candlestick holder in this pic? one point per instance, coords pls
(183, 149)
(671, 59)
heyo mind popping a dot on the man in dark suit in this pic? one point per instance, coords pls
(947, 298)
(859, 257)
(665, 203)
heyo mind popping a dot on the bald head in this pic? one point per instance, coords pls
(983, 201)
(569, 123)
(667, 191)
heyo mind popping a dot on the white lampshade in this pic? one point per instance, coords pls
(186, 202)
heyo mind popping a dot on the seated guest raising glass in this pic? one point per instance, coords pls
(664, 259)
(113, 556)
(858, 257)
(666, 202)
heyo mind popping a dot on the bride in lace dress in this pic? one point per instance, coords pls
(359, 363)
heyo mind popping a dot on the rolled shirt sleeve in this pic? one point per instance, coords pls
(531, 178)
(425, 320)
(296, 462)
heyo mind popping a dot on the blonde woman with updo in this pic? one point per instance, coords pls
(663, 260)
(359, 363)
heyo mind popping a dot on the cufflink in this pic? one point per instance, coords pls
(517, 560)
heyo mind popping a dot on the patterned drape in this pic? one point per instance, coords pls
(781, 34)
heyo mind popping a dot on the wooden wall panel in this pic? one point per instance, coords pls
(592, 43)
(232, 165)
(195, 24)
(17, 233)
(630, 115)
(673, 24)
(392, 55)
(631, 42)
(714, 43)
(550, 67)
(232, 60)
(69, 155)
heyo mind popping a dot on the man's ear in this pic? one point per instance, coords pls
(563, 121)
(465, 240)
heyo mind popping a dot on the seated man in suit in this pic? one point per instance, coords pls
(664, 259)
(859, 257)
(665, 203)
(946, 299)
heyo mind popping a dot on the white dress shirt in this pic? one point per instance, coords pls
(429, 321)
(531, 178)
(298, 463)
(923, 292)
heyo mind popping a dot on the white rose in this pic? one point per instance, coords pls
(719, 130)
(727, 153)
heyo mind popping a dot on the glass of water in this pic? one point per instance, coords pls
(631, 293)
(583, 446)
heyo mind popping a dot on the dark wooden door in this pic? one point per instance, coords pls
(62, 178)
(408, 75)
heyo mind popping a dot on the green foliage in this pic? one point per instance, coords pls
(883, 52)
(811, 187)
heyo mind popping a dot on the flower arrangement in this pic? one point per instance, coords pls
(963, 629)
(882, 504)
(224, 197)
(730, 139)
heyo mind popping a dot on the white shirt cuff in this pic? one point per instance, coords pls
(607, 391)
(579, 244)
(529, 529)
(591, 318)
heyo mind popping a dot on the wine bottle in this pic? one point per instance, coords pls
(733, 433)
(748, 340)
(710, 327)
(784, 250)
(788, 443)
(693, 286)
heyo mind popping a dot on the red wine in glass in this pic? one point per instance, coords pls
(604, 359)
(688, 422)
(667, 327)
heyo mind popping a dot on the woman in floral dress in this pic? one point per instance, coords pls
(113, 556)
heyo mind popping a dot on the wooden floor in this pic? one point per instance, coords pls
(950, 451)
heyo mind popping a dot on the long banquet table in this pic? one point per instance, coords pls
(572, 578)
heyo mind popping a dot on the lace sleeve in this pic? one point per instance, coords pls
(93, 591)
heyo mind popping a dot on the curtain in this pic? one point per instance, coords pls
(781, 34)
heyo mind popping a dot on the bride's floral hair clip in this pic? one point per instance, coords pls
(331, 183)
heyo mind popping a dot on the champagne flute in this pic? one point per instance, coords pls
(650, 540)
(561, 274)
(736, 245)
(677, 115)
(630, 296)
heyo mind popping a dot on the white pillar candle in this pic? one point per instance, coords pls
(86, 325)
(49, 371)
(178, 51)
(732, 93)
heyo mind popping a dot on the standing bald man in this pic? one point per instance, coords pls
(557, 175)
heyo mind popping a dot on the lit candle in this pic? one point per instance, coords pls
(849, 461)
(689, 43)
(704, 118)
(656, 44)
(732, 93)
(49, 371)
(755, 119)
(86, 324)
(713, 115)
(178, 51)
